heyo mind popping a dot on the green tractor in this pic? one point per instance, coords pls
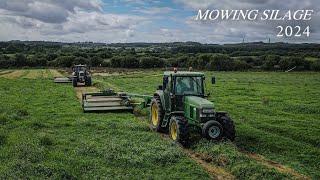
(180, 104)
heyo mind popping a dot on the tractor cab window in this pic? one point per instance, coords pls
(188, 85)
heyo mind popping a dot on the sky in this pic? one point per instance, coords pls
(113, 21)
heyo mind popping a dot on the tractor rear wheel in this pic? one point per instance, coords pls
(229, 131)
(178, 129)
(212, 130)
(74, 82)
(156, 114)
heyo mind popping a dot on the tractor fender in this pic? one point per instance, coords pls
(167, 117)
(159, 93)
(221, 113)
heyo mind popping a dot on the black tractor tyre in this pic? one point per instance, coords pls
(181, 133)
(74, 82)
(88, 81)
(229, 131)
(156, 114)
(212, 130)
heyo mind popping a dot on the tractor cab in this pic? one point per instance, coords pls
(179, 85)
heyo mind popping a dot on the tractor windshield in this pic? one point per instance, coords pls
(81, 68)
(186, 85)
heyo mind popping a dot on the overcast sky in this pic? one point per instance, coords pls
(142, 21)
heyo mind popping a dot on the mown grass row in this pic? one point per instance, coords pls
(45, 134)
(276, 115)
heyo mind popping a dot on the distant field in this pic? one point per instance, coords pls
(44, 134)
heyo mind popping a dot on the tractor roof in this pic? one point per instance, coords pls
(183, 73)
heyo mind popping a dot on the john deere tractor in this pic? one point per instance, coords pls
(81, 74)
(180, 104)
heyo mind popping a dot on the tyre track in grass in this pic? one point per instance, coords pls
(202, 159)
(273, 164)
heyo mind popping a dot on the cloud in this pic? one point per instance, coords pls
(153, 21)
(154, 10)
(49, 19)
(48, 11)
(249, 4)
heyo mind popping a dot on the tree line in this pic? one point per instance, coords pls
(236, 57)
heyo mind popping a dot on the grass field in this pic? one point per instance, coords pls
(44, 134)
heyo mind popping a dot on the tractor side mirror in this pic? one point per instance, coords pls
(160, 87)
(213, 80)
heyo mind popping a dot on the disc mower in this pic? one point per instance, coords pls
(108, 100)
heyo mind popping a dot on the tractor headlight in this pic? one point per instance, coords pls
(207, 111)
(203, 115)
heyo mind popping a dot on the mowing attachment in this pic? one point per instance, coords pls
(62, 79)
(108, 100)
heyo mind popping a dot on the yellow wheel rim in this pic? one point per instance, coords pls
(154, 115)
(173, 131)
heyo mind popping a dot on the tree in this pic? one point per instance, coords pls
(239, 65)
(129, 62)
(81, 60)
(21, 60)
(220, 62)
(203, 60)
(151, 62)
(64, 61)
(96, 61)
(271, 61)
(315, 65)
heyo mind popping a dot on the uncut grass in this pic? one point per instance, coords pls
(276, 115)
(44, 134)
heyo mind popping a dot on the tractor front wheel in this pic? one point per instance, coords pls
(178, 130)
(156, 114)
(88, 81)
(229, 131)
(212, 130)
(74, 82)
